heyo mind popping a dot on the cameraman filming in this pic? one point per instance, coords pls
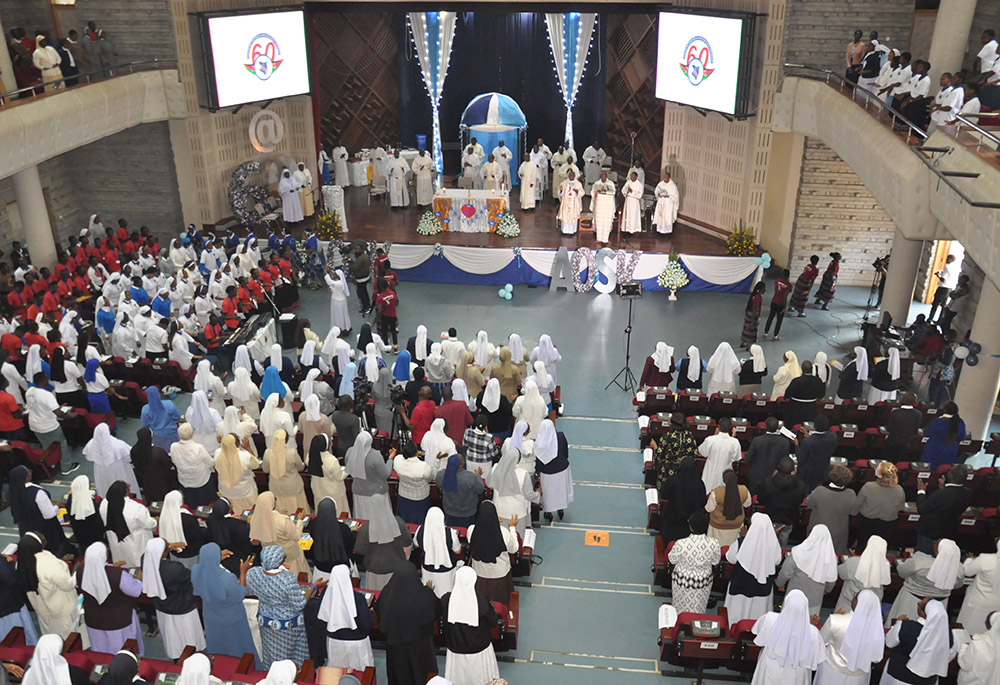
(420, 419)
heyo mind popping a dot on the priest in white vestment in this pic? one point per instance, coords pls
(602, 204)
(340, 176)
(304, 178)
(541, 154)
(291, 205)
(556, 162)
(503, 157)
(422, 173)
(380, 163)
(471, 164)
(570, 203)
(399, 196)
(477, 148)
(632, 209)
(593, 158)
(528, 173)
(491, 173)
(667, 204)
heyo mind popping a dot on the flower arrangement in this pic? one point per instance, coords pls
(429, 224)
(328, 226)
(673, 277)
(741, 241)
(508, 227)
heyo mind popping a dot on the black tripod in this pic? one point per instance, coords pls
(627, 383)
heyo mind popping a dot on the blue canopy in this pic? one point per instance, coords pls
(493, 112)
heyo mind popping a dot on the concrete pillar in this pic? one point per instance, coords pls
(903, 264)
(978, 385)
(784, 175)
(34, 217)
(7, 81)
(951, 37)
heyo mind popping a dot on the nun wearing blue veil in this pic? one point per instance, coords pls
(402, 370)
(347, 380)
(161, 417)
(272, 384)
(97, 387)
(226, 627)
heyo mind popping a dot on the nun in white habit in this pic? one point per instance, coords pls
(126, 546)
(531, 408)
(340, 316)
(927, 576)
(162, 577)
(755, 557)
(274, 418)
(48, 666)
(548, 353)
(792, 646)
(544, 382)
(341, 611)
(435, 442)
(197, 670)
(854, 641)
(982, 597)
(112, 459)
(887, 378)
(870, 572)
(979, 659)
(212, 385)
(554, 469)
(512, 490)
(203, 419)
(933, 651)
(337, 350)
(244, 393)
(482, 350)
(460, 392)
(433, 537)
(464, 612)
(723, 369)
(811, 567)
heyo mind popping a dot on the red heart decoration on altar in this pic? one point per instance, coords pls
(468, 211)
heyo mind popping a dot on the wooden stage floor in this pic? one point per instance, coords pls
(538, 229)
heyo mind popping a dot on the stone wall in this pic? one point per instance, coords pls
(836, 213)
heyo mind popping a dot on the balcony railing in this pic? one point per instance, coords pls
(40, 89)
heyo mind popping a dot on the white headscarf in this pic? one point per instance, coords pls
(330, 341)
(281, 673)
(547, 442)
(95, 575)
(242, 387)
(242, 360)
(435, 441)
(864, 641)
(861, 362)
(104, 450)
(200, 415)
(873, 566)
(815, 556)
(268, 421)
(986, 669)
(694, 364)
(516, 348)
(662, 357)
(312, 408)
(491, 396)
(371, 363)
(356, 454)
(276, 356)
(435, 542)
(196, 670)
(152, 583)
(33, 362)
(542, 377)
(171, 527)
(306, 389)
(517, 435)
(930, 655)
(230, 423)
(947, 562)
(83, 501)
(894, 363)
(420, 345)
(760, 551)
(48, 666)
(203, 377)
(338, 608)
(547, 352)
(308, 355)
(759, 363)
(792, 640)
(723, 365)
(482, 353)
(792, 364)
(460, 392)
(820, 369)
(532, 404)
(463, 606)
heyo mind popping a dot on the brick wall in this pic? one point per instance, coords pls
(30, 15)
(817, 31)
(836, 213)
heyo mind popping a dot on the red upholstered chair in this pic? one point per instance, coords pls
(745, 653)
(723, 404)
(658, 400)
(690, 652)
(43, 461)
(692, 402)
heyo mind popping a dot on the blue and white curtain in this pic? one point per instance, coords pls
(569, 38)
(433, 34)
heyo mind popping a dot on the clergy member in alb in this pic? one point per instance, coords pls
(667, 203)
(422, 170)
(471, 164)
(528, 173)
(399, 196)
(291, 205)
(632, 209)
(541, 160)
(340, 167)
(557, 160)
(570, 203)
(593, 158)
(602, 204)
(503, 157)
(491, 174)
(304, 178)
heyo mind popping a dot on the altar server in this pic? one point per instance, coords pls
(632, 209)
(528, 173)
(602, 204)
(503, 156)
(540, 158)
(667, 203)
(291, 205)
(594, 157)
(570, 193)
(340, 166)
(423, 169)
(399, 196)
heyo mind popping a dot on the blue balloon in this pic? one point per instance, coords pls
(972, 360)
(508, 295)
(508, 287)
(501, 292)
(766, 257)
(758, 261)
(975, 348)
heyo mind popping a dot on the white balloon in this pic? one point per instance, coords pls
(961, 352)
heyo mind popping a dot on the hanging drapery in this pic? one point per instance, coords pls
(569, 38)
(433, 34)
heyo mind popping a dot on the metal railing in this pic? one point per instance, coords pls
(974, 125)
(33, 92)
(930, 157)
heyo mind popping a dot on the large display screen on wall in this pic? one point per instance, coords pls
(252, 57)
(703, 60)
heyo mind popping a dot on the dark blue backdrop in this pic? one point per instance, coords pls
(507, 53)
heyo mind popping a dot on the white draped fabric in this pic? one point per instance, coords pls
(434, 53)
(569, 52)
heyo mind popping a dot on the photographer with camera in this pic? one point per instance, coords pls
(420, 419)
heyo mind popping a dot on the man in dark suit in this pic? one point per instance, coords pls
(903, 424)
(941, 510)
(814, 453)
(764, 453)
(782, 495)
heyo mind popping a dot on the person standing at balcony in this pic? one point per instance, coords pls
(47, 60)
(912, 100)
(106, 51)
(853, 57)
(72, 57)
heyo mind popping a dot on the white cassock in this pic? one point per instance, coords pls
(602, 204)
(471, 164)
(503, 157)
(632, 209)
(528, 173)
(340, 176)
(339, 314)
(667, 202)
(422, 168)
(291, 205)
(399, 196)
(570, 205)
(564, 174)
(557, 160)
(380, 162)
(304, 179)
(542, 163)
(492, 173)
(593, 159)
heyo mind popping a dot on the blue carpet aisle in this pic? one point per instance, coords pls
(588, 609)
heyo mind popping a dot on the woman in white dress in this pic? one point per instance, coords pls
(128, 523)
(512, 489)
(982, 597)
(792, 646)
(788, 372)
(112, 460)
(211, 385)
(178, 630)
(552, 463)
(244, 393)
(235, 468)
(531, 408)
(723, 369)
(854, 641)
(339, 314)
(544, 382)
(548, 353)
(979, 660)
(203, 419)
(342, 609)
